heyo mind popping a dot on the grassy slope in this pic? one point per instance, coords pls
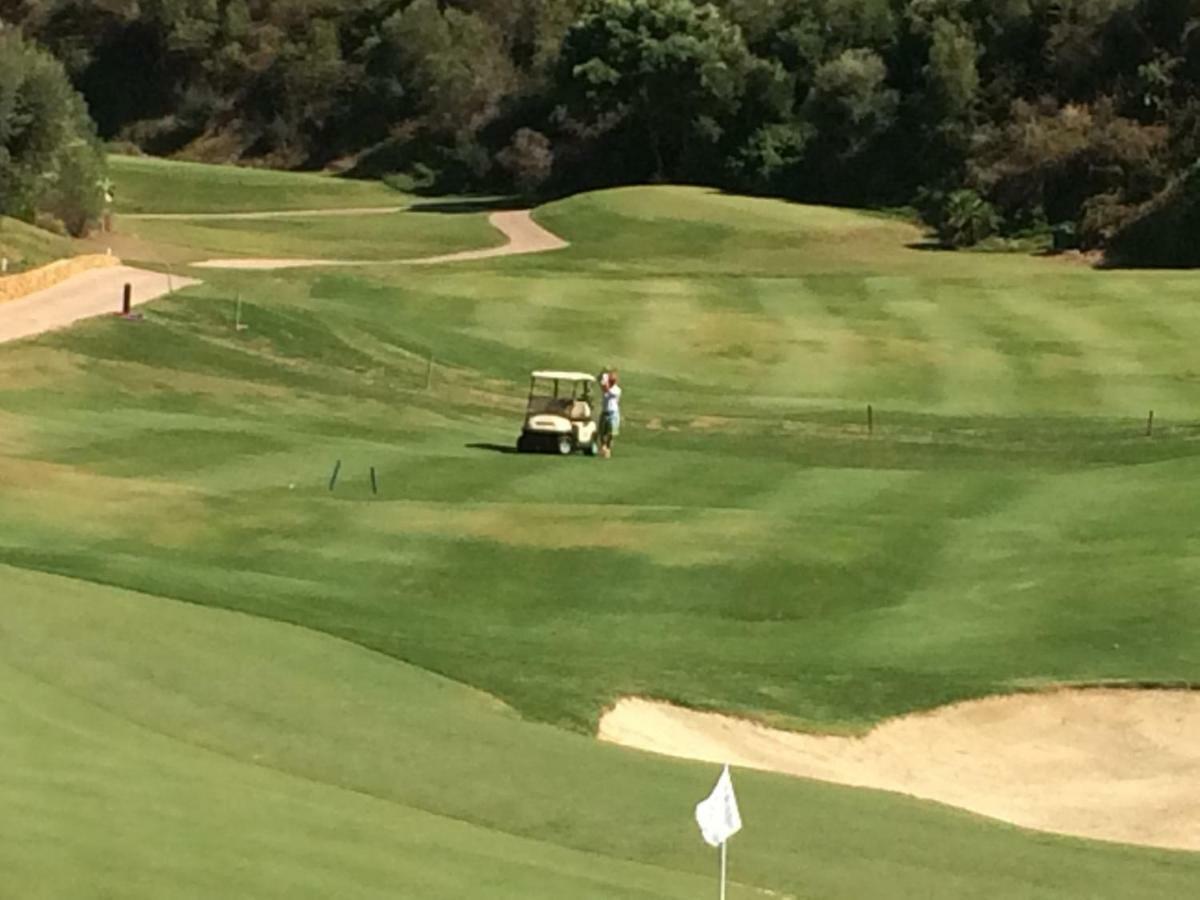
(1007, 524)
(136, 767)
(148, 185)
(27, 247)
(155, 749)
(154, 185)
(402, 235)
(845, 578)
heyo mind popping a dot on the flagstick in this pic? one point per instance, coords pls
(724, 845)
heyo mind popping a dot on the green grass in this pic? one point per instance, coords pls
(26, 247)
(148, 185)
(154, 749)
(750, 548)
(391, 236)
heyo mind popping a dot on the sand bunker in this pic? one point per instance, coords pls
(1112, 764)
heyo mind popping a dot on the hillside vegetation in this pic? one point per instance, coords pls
(1167, 231)
(1014, 118)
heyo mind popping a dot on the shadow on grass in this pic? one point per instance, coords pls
(466, 205)
(494, 448)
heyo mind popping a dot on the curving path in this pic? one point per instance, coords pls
(523, 234)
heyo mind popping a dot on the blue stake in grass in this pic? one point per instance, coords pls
(333, 478)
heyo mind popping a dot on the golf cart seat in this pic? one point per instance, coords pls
(580, 410)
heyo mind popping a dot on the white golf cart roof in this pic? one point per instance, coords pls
(551, 375)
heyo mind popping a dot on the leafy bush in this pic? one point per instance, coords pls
(768, 153)
(961, 218)
(419, 179)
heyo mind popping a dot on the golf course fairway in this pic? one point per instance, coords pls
(219, 675)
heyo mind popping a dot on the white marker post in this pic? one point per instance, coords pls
(719, 820)
(724, 858)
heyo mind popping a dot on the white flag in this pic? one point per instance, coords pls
(717, 814)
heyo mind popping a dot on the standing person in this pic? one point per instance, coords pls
(610, 418)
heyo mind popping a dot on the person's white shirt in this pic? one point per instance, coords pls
(612, 400)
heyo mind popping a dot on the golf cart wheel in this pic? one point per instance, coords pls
(566, 446)
(593, 448)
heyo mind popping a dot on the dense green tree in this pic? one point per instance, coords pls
(669, 70)
(850, 104)
(952, 72)
(51, 164)
(454, 61)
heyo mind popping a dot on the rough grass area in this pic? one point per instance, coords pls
(1006, 522)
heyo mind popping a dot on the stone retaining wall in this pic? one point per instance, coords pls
(14, 286)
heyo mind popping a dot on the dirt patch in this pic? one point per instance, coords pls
(156, 513)
(1111, 764)
(1090, 258)
(711, 423)
(714, 535)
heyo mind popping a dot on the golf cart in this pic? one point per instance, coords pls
(559, 417)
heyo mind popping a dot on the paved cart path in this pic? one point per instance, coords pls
(95, 292)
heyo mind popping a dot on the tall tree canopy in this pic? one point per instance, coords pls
(667, 70)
